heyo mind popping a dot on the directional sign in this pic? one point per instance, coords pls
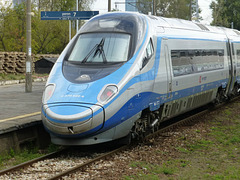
(67, 15)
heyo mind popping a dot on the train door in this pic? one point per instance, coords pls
(168, 70)
(232, 67)
(234, 61)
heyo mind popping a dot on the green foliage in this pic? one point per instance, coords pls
(228, 112)
(199, 145)
(16, 157)
(63, 5)
(11, 77)
(4, 77)
(168, 8)
(29, 152)
(53, 148)
(142, 177)
(47, 36)
(183, 150)
(150, 171)
(226, 12)
(12, 28)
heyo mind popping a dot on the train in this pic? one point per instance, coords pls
(125, 73)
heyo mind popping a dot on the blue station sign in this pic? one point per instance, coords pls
(68, 15)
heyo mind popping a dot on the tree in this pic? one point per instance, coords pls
(168, 8)
(178, 9)
(62, 5)
(47, 36)
(226, 12)
(52, 36)
(13, 23)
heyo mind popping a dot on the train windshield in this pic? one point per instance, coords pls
(101, 48)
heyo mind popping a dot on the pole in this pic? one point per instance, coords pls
(197, 9)
(28, 83)
(153, 7)
(190, 11)
(77, 20)
(70, 29)
(109, 5)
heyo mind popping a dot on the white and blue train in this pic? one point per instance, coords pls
(125, 73)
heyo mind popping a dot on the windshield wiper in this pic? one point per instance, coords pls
(101, 50)
(98, 48)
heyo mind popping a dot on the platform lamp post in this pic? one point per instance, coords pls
(28, 83)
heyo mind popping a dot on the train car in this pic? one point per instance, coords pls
(125, 73)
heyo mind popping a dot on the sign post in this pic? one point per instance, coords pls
(76, 20)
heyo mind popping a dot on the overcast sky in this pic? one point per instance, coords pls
(102, 6)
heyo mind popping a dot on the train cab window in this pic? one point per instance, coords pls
(96, 55)
(101, 48)
(148, 54)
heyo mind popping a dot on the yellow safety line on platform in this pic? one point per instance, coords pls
(20, 117)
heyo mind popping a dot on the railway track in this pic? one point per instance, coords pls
(54, 166)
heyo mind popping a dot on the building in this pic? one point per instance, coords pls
(130, 5)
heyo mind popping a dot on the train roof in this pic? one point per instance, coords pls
(179, 23)
(190, 25)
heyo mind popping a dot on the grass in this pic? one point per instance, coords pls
(216, 157)
(15, 157)
(4, 77)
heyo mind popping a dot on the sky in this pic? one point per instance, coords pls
(206, 11)
(102, 7)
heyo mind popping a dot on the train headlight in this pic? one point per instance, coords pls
(107, 93)
(48, 93)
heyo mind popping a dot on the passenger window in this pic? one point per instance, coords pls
(148, 53)
(199, 60)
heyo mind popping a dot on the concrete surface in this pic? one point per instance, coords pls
(19, 109)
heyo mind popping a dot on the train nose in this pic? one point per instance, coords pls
(70, 119)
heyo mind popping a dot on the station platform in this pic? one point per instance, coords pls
(19, 109)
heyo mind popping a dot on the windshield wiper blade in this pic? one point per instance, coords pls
(89, 54)
(98, 48)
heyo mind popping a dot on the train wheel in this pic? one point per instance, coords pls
(126, 140)
(139, 129)
(236, 90)
(220, 96)
(153, 121)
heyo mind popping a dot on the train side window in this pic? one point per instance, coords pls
(193, 61)
(148, 53)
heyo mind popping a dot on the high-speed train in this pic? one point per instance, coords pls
(125, 73)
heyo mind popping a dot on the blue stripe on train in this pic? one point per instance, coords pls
(126, 112)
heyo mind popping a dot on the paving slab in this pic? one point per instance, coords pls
(18, 108)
